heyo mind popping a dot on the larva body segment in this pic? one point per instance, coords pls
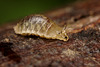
(42, 26)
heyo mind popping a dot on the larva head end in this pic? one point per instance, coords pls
(62, 36)
(66, 38)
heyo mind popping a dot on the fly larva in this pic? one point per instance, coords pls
(42, 26)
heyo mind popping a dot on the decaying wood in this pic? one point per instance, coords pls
(81, 50)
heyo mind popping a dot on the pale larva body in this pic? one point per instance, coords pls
(42, 26)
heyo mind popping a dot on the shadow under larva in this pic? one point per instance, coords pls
(42, 26)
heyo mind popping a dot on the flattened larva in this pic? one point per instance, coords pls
(42, 26)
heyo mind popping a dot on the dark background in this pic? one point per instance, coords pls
(11, 10)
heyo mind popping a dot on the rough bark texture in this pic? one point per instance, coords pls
(81, 50)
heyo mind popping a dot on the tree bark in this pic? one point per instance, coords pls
(81, 50)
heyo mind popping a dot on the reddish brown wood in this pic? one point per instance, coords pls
(81, 50)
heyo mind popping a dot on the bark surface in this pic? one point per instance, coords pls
(81, 50)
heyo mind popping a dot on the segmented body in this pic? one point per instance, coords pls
(40, 25)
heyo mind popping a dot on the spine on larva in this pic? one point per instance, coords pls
(42, 26)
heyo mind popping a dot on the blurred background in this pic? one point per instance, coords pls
(11, 10)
